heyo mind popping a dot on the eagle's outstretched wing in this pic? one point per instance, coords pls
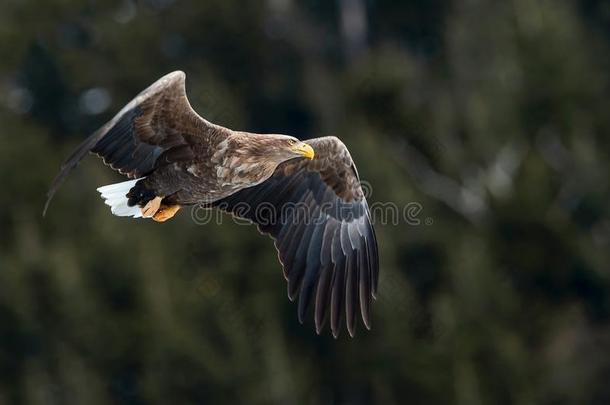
(157, 127)
(317, 214)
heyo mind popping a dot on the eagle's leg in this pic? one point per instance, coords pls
(151, 207)
(165, 212)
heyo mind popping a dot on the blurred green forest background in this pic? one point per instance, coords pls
(493, 116)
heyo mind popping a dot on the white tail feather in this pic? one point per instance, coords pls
(115, 195)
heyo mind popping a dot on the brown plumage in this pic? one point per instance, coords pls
(313, 207)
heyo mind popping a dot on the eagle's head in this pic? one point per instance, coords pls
(271, 148)
(252, 158)
(289, 147)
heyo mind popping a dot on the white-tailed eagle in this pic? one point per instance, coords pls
(306, 196)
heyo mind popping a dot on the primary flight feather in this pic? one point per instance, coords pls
(306, 196)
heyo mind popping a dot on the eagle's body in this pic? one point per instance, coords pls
(224, 165)
(314, 207)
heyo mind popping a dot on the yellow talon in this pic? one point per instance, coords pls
(151, 207)
(165, 212)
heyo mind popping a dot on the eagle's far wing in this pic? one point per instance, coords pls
(156, 128)
(317, 214)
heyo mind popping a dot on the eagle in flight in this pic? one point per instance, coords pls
(306, 196)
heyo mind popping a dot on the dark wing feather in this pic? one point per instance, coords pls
(322, 229)
(156, 128)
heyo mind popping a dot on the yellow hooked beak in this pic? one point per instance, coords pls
(303, 149)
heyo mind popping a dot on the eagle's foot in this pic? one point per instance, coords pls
(151, 207)
(165, 212)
